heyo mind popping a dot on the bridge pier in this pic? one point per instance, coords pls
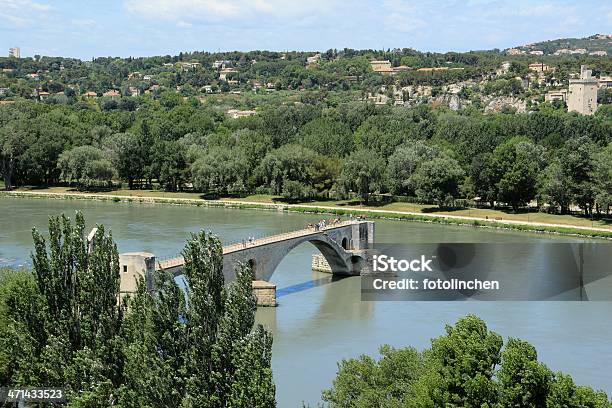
(265, 293)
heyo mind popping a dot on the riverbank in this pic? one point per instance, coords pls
(395, 213)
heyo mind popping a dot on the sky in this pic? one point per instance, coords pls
(93, 28)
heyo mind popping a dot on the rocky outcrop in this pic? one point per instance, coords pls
(496, 104)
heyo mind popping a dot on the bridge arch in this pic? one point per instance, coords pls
(266, 258)
(331, 251)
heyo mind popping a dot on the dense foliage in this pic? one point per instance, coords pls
(321, 149)
(66, 325)
(469, 366)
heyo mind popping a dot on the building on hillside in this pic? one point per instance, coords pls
(133, 91)
(147, 77)
(90, 94)
(186, 66)
(605, 82)
(4, 91)
(582, 95)
(314, 59)
(536, 52)
(235, 113)
(402, 68)
(504, 68)
(383, 67)
(514, 51)
(558, 95)
(207, 89)
(111, 94)
(567, 51)
(540, 67)
(135, 74)
(598, 53)
(225, 71)
(220, 63)
(42, 95)
(378, 98)
(14, 52)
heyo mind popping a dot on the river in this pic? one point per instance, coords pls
(320, 321)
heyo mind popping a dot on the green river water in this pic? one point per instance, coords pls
(319, 321)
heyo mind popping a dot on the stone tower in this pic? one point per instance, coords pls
(582, 96)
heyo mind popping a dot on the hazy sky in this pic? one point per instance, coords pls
(89, 28)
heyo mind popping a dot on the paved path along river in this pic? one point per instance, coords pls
(320, 321)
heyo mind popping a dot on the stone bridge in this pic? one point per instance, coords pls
(343, 244)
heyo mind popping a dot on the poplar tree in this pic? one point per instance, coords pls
(66, 325)
(78, 344)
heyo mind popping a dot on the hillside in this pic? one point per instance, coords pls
(588, 45)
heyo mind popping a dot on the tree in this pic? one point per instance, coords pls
(12, 147)
(363, 172)
(128, 154)
(327, 136)
(465, 367)
(463, 364)
(233, 367)
(85, 163)
(99, 171)
(577, 157)
(484, 175)
(519, 162)
(554, 187)
(565, 393)
(524, 382)
(169, 164)
(438, 180)
(364, 382)
(220, 170)
(289, 162)
(404, 162)
(603, 178)
(67, 324)
(296, 191)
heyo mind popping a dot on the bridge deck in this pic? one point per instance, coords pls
(239, 246)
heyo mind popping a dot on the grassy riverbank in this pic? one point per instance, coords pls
(534, 221)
